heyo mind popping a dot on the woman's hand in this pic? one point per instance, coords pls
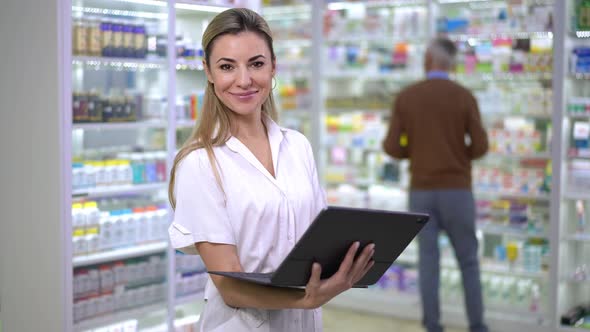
(319, 292)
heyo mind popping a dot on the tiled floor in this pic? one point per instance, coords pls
(340, 320)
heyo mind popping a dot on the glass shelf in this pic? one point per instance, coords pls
(117, 190)
(119, 63)
(119, 254)
(95, 323)
(119, 125)
(500, 35)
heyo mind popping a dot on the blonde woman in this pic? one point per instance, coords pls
(245, 189)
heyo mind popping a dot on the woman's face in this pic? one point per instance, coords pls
(241, 70)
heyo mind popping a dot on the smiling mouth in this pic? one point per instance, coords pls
(244, 94)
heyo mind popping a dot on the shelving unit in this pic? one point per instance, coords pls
(345, 142)
(120, 254)
(121, 316)
(163, 82)
(324, 99)
(574, 201)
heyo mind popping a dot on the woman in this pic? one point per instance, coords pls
(244, 189)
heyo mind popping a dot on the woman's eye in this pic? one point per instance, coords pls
(225, 67)
(258, 64)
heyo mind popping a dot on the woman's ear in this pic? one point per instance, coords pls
(274, 66)
(207, 72)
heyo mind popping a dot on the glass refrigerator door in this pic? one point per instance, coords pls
(190, 84)
(505, 59)
(574, 252)
(119, 211)
(290, 23)
(371, 50)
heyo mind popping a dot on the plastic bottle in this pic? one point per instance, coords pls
(138, 168)
(77, 173)
(149, 167)
(152, 224)
(130, 227)
(162, 221)
(126, 172)
(581, 217)
(105, 235)
(118, 228)
(161, 166)
(141, 225)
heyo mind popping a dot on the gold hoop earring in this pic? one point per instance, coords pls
(274, 85)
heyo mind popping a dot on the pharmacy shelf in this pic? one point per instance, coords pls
(186, 64)
(126, 8)
(485, 267)
(537, 197)
(119, 125)
(289, 43)
(183, 124)
(119, 63)
(536, 155)
(376, 4)
(578, 116)
(119, 254)
(572, 280)
(536, 116)
(572, 329)
(95, 323)
(575, 195)
(388, 40)
(580, 35)
(190, 298)
(510, 231)
(583, 237)
(356, 74)
(503, 76)
(580, 76)
(500, 35)
(117, 190)
(407, 306)
(363, 110)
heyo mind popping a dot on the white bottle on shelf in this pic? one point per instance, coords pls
(130, 227)
(105, 234)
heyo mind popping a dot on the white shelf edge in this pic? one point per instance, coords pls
(364, 110)
(563, 328)
(112, 60)
(93, 323)
(184, 299)
(539, 155)
(511, 232)
(390, 39)
(118, 254)
(543, 197)
(182, 124)
(117, 190)
(578, 116)
(450, 263)
(577, 237)
(576, 195)
(119, 125)
(495, 35)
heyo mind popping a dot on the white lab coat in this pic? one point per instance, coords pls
(261, 215)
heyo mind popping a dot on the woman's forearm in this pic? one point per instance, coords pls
(242, 294)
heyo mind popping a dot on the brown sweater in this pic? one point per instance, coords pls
(436, 115)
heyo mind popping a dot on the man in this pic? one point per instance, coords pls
(429, 125)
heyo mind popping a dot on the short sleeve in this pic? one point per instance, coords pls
(200, 214)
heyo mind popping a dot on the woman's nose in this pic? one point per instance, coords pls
(244, 78)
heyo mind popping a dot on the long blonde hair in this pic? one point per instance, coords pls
(214, 128)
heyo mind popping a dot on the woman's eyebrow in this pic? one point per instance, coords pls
(249, 60)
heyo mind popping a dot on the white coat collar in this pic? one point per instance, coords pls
(275, 137)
